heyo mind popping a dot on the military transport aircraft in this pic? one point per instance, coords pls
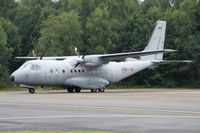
(93, 72)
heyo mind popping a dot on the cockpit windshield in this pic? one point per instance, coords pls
(25, 66)
(29, 66)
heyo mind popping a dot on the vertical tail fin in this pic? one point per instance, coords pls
(156, 41)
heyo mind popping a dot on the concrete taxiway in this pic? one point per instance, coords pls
(139, 110)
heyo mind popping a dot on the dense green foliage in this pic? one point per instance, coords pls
(102, 26)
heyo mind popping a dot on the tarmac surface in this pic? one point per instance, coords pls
(139, 110)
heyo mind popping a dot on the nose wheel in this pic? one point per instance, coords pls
(77, 89)
(31, 90)
(101, 90)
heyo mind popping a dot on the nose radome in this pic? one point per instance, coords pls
(12, 78)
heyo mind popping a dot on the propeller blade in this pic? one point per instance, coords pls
(76, 65)
(76, 51)
(33, 52)
(84, 55)
(43, 54)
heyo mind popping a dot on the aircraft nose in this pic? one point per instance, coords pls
(12, 78)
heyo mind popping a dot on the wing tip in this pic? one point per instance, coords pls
(170, 50)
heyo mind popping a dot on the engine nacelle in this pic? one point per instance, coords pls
(93, 61)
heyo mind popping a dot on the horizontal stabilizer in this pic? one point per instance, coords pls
(163, 62)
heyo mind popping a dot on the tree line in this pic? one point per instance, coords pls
(102, 26)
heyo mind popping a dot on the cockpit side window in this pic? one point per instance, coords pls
(35, 67)
(25, 66)
(32, 67)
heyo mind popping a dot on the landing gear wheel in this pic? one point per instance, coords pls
(93, 90)
(70, 90)
(101, 90)
(77, 90)
(31, 90)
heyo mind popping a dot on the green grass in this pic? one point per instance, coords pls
(11, 89)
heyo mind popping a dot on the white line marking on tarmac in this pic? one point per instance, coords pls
(99, 116)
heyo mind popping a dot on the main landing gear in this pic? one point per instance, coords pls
(99, 90)
(31, 90)
(76, 89)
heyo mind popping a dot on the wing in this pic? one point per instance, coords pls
(44, 58)
(122, 56)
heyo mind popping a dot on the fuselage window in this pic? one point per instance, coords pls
(51, 71)
(71, 71)
(63, 71)
(79, 71)
(83, 71)
(75, 71)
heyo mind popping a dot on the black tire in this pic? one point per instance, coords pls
(101, 90)
(31, 90)
(70, 90)
(93, 90)
(77, 90)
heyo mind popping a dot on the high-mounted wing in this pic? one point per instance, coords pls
(44, 58)
(122, 56)
(35, 57)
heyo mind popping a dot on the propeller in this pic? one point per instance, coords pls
(76, 51)
(43, 53)
(76, 65)
(79, 60)
(34, 55)
(33, 52)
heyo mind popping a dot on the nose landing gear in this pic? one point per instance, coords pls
(31, 90)
(101, 90)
